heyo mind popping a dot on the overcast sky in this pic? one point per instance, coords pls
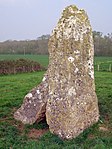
(29, 19)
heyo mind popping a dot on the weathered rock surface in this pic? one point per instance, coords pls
(34, 105)
(66, 95)
(72, 105)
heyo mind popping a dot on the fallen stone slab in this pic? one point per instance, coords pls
(33, 108)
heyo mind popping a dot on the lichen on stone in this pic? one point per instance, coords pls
(29, 95)
(38, 92)
(72, 38)
(71, 59)
(66, 96)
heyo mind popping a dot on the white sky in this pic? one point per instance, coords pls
(28, 19)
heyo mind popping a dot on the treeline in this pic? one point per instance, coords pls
(102, 44)
(39, 46)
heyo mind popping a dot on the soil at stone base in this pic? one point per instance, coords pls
(35, 133)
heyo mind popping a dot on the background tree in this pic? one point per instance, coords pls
(102, 44)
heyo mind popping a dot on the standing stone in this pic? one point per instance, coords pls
(72, 105)
(66, 95)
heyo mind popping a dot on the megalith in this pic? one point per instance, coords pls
(66, 96)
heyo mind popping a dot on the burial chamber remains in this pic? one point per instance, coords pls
(66, 96)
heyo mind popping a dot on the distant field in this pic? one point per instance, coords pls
(42, 59)
(105, 63)
(102, 60)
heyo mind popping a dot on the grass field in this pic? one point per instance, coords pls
(42, 59)
(104, 62)
(15, 135)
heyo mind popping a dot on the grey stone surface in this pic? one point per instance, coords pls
(66, 95)
(34, 105)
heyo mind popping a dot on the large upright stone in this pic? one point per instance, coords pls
(72, 105)
(66, 95)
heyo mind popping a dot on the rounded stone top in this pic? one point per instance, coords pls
(72, 10)
(73, 24)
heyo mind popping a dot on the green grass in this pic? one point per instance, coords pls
(10, 84)
(104, 63)
(13, 88)
(102, 59)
